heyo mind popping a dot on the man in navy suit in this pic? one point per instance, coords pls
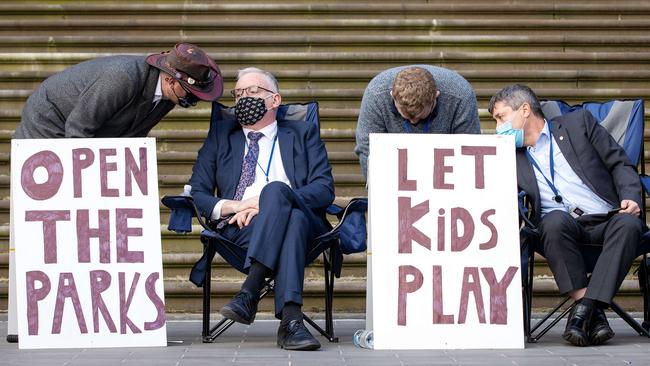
(583, 189)
(266, 184)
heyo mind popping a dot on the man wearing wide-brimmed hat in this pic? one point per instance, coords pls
(119, 96)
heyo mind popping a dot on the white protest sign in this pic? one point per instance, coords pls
(86, 231)
(444, 245)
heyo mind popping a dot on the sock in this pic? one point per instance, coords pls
(257, 274)
(291, 311)
(588, 302)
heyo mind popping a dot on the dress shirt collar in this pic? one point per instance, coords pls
(157, 95)
(269, 131)
(542, 138)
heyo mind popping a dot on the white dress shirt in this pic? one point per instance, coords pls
(573, 190)
(157, 95)
(276, 169)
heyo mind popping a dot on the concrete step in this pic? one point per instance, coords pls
(294, 9)
(347, 24)
(181, 295)
(301, 43)
(328, 51)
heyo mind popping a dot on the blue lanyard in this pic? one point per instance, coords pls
(551, 183)
(427, 124)
(268, 166)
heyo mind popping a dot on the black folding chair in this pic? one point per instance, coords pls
(328, 244)
(624, 121)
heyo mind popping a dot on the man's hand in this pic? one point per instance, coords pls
(243, 218)
(631, 207)
(252, 202)
(232, 207)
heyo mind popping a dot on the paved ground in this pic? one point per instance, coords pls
(255, 345)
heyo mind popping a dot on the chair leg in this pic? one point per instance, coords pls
(534, 338)
(644, 271)
(329, 295)
(225, 323)
(528, 296)
(629, 320)
(207, 293)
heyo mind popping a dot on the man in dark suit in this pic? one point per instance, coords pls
(119, 96)
(266, 184)
(583, 189)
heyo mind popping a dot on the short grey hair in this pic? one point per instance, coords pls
(514, 96)
(269, 77)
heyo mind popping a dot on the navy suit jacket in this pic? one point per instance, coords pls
(216, 173)
(595, 157)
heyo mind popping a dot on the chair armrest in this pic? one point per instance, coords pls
(183, 209)
(523, 212)
(351, 228)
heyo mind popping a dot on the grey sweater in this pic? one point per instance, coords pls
(455, 111)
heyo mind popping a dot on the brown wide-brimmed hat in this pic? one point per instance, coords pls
(192, 67)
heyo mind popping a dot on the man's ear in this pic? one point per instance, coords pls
(526, 109)
(277, 100)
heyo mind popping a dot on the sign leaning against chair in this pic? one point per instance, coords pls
(444, 264)
(86, 234)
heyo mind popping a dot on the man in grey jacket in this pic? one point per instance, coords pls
(119, 96)
(415, 99)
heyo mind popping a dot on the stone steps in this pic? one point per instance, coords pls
(326, 51)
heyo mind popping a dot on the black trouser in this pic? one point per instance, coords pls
(562, 237)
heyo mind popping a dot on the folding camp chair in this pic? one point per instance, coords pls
(350, 227)
(624, 121)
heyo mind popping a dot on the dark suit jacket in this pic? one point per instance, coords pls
(216, 173)
(104, 97)
(595, 157)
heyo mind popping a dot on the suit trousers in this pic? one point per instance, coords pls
(563, 239)
(279, 237)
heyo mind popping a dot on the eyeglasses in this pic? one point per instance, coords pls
(253, 89)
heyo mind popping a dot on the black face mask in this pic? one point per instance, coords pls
(189, 100)
(249, 110)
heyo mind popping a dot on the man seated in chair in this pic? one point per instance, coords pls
(583, 190)
(266, 184)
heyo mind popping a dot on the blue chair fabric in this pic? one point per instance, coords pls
(330, 244)
(624, 120)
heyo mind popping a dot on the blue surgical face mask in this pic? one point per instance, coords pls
(506, 129)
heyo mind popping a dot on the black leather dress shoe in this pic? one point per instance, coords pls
(600, 331)
(577, 325)
(295, 336)
(242, 308)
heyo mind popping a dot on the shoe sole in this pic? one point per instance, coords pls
(301, 347)
(228, 313)
(575, 339)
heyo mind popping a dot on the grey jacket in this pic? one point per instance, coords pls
(455, 111)
(104, 97)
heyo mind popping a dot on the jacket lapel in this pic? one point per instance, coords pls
(237, 142)
(145, 102)
(564, 142)
(527, 179)
(285, 137)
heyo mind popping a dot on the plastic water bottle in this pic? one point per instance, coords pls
(363, 338)
(187, 189)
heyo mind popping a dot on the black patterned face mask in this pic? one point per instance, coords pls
(249, 110)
